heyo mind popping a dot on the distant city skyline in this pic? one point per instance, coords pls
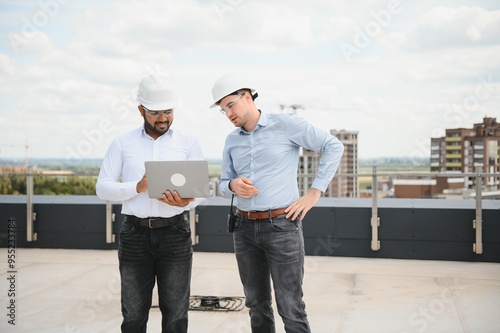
(381, 162)
(397, 72)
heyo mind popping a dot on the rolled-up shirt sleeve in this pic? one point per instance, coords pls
(227, 174)
(331, 153)
(109, 185)
(313, 138)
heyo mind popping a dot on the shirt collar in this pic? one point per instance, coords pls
(262, 122)
(145, 134)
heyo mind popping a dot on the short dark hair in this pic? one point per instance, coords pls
(243, 91)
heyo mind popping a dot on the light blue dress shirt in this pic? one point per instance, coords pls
(269, 155)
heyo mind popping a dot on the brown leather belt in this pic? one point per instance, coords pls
(155, 222)
(263, 215)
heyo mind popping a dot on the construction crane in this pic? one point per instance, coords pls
(294, 107)
(26, 151)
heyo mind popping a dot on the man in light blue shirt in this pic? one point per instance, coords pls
(259, 167)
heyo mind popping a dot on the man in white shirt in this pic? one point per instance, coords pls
(155, 237)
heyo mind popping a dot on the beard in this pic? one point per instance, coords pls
(158, 128)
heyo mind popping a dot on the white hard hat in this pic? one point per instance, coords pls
(156, 93)
(227, 85)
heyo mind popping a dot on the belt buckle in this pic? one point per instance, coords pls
(149, 223)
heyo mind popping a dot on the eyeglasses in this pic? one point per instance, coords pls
(230, 105)
(156, 113)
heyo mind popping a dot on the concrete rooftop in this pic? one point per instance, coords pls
(59, 290)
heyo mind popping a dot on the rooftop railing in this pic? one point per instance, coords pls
(477, 223)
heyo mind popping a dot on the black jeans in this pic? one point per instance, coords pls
(272, 249)
(165, 254)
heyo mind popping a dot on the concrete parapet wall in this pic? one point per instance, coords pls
(409, 228)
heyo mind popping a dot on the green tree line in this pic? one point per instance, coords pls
(49, 185)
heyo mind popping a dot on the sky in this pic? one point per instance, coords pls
(398, 72)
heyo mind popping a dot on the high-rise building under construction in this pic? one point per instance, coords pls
(341, 185)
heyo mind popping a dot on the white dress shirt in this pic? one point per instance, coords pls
(123, 167)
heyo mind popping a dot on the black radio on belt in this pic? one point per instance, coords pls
(231, 217)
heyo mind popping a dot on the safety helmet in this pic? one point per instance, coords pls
(156, 93)
(227, 85)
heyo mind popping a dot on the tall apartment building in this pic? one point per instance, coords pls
(469, 150)
(341, 185)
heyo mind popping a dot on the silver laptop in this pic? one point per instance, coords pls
(188, 178)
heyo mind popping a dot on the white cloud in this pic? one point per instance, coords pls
(450, 65)
(7, 69)
(335, 27)
(444, 27)
(83, 65)
(33, 42)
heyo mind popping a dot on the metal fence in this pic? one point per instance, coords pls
(375, 220)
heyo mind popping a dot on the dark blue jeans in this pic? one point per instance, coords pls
(165, 254)
(272, 249)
